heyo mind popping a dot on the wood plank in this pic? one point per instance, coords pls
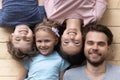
(3, 51)
(118, 4)
(113, 4)
(4, 33)
(114, 52)
(111, 18)
(116, 34)
(114, 62)
(7, 78)
(9, 67)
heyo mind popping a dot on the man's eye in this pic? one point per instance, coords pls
(101, 43)
(89, 42)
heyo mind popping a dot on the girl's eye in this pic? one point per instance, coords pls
(47, 41)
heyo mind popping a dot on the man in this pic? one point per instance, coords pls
(98, 39)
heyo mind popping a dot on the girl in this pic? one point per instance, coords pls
(48, 64)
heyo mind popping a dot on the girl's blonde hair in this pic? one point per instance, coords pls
(48, 26)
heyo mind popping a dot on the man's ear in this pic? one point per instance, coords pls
(109, 47)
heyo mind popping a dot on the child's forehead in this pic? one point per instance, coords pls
(45, 28)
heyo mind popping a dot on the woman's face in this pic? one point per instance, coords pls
(71, 41)
(22, 38)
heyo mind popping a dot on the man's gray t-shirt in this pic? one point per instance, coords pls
(112, 73)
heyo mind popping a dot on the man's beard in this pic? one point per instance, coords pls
(96, 63)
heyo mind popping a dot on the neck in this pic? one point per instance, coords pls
(95, 73)
(96, 70)
(73, 23)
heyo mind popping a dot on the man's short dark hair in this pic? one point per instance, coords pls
(98, 28)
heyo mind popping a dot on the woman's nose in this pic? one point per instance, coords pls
(71, 35)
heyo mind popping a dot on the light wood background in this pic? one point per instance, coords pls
(9, 67)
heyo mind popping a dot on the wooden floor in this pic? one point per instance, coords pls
(9, 68)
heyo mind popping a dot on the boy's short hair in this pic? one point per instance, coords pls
(18, 54)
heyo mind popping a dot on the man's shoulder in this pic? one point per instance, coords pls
(75, 70)
(114, 68)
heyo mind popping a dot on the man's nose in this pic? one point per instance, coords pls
(95, 47)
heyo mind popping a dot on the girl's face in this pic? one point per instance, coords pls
(22, 38)
(45, 41)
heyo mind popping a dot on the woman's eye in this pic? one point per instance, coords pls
(77, 43)
(17, 39)
(28, 40)
(66, 42)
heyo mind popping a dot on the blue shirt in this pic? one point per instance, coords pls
(47, 67)
(16, 12)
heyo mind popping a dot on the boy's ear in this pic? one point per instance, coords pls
(11, 35)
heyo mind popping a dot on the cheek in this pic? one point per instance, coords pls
(105, 50)
(64, 35)
(87, 47)
(37, 44)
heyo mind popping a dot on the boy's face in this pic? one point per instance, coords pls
(71, 41)
(45, 41)
(22, 38)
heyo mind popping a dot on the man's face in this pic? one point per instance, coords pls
(96, 47)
